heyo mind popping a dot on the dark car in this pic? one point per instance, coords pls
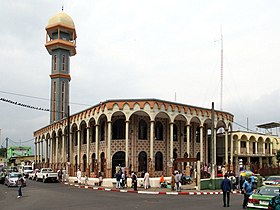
(12, 178)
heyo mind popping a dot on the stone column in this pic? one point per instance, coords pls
(78, 148)
(215, 147)
(51, 150)
(41, 150)
(231, 151)
(36, 153)
(88, 155)
(188, 171)
(96, 144)
(38, 150)
(151, 160)
(46, 151)
(63, 148)
(256, 147)
(270, 148)
(201, 145)
(247, 147)
(226, 147)
(171, 149)
(109, 160)
(126, 143)
(56, 151)
(238, 146)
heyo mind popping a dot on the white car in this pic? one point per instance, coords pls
(272, 180)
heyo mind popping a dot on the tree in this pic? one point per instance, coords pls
(278, 156)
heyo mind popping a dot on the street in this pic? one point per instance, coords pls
(38, 195)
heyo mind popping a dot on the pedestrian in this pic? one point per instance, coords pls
(124, 178)
(226, 188)
(63, 175)
(134, 180)
(86, 180)
(100, 178)
(79, 176)
(59, 175)
(118, 179)
(20, 183)
(247, 190)
(177, 181)
(146, 180)
(172, 182)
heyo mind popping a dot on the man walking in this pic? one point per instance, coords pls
(20, 183)
(226, 188)
(248, 190)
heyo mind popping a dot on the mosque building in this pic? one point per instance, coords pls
(138, 134)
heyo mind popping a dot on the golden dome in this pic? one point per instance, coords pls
(61, 18)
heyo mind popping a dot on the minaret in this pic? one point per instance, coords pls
(61, 44)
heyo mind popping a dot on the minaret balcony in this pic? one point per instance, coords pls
(59, 43)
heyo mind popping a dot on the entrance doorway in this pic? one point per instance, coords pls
(118, 159)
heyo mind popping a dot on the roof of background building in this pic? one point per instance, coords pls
(269, 125)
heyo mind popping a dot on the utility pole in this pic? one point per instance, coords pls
(212, 143)
(6, 160)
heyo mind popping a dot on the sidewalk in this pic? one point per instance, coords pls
(186, 190)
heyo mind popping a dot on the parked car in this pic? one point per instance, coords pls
(12, 178)
(272, 180)
(261, 198)
(46, 174)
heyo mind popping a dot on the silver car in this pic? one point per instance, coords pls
(12, 178)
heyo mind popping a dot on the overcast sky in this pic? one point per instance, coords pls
(143, 49)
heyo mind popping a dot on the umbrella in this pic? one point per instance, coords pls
(246, 173)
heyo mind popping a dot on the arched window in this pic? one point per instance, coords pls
(84, 163)
(119, 129)
(198, 156)
(84, 135)
(159, 131)
(197, 135)
(92, 162)
(76, 163)
(92, 129)
(63, 63)
(158, 162)
(75, 136)
(185, 133)
(54, 62)
(102, 134)
(175, 132)
(142, 130)
(102, 159)
(142, 161)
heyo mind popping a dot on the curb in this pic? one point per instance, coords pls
(148, 192)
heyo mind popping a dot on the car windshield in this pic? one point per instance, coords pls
(269, 191)
(273, 178)
(13, 175)
(28, 168)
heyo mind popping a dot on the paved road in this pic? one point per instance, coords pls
(38, 195)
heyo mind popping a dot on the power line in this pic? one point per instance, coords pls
(24, 105)
(35, 97)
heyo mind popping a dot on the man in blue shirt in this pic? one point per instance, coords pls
(248, 190)
(226, 188)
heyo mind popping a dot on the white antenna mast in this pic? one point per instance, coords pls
(222, 69)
